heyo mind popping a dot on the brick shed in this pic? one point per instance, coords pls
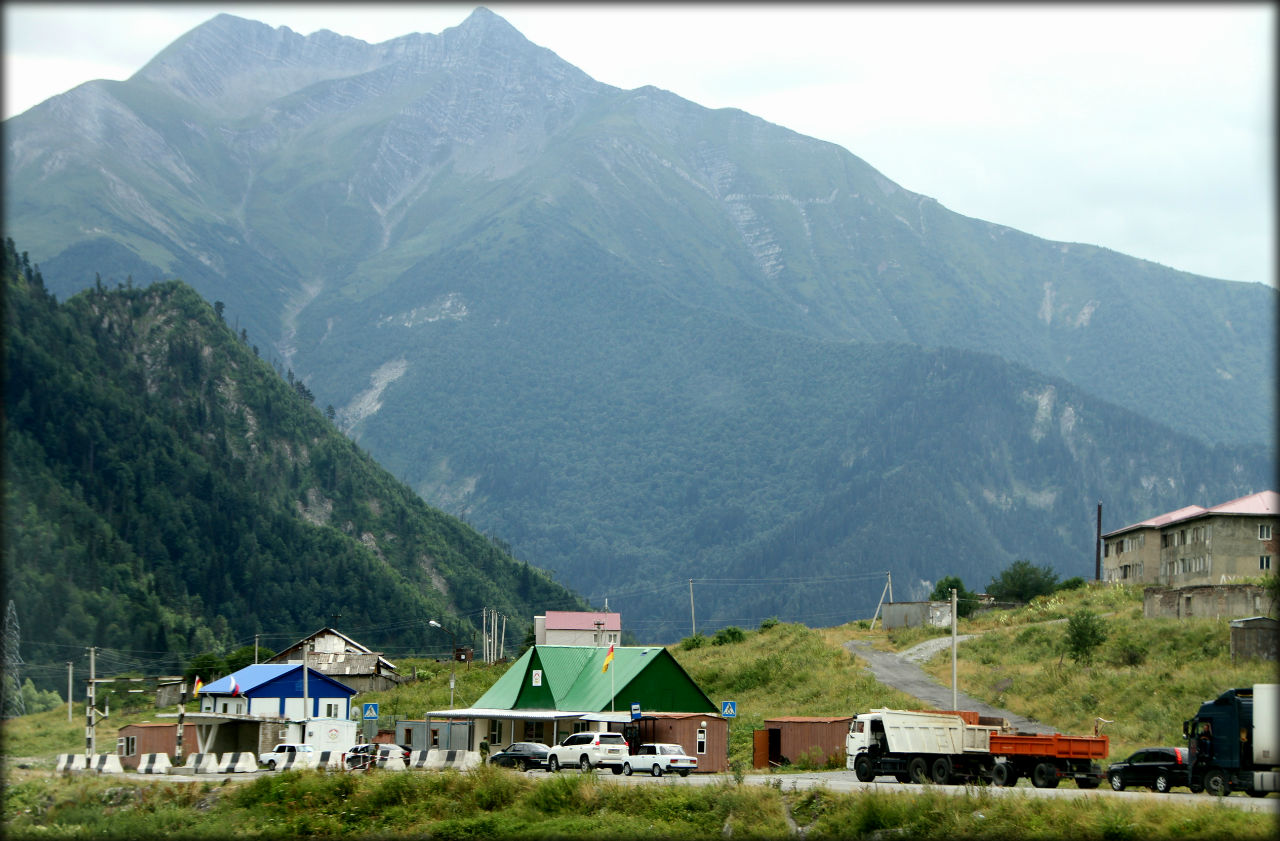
(133, 740)
(788, 739)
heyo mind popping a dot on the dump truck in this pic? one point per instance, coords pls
(954, 746)
(1234, 744)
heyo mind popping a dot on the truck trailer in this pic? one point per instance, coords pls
(952, 746)
(1234, 744)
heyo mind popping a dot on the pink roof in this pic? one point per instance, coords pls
(572, 620)
(1263, 503)
(1173, 516)
(1266, 502)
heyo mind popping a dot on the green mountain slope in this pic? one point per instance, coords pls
(167, 491)
(641, 340)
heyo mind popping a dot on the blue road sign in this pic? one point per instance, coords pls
(635, 710)
(729, 709)
(370, 711)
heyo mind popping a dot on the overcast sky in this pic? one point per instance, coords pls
(1147, 129)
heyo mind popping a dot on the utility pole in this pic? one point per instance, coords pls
(182, 711)
(954, 702)
(255, 648)
(692, 624)
(88, 711)
(306, 701)
(69, 690)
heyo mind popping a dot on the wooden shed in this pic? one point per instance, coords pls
(704, 736)
(1255, 636)
(133, 740)
(789, 739)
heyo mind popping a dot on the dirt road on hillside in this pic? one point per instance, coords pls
(900, 670)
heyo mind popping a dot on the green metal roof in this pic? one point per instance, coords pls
(571, 678)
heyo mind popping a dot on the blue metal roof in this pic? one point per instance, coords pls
(282, 680)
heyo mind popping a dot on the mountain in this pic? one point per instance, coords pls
(643, 341)
(168, 493)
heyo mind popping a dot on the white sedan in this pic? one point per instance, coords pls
(659, 758)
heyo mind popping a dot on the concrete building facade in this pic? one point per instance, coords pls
(1196, 546)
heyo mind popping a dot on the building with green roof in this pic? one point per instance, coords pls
(555, 690)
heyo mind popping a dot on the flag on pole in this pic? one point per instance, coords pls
(199, 683)
(608, 658)
(235, 687)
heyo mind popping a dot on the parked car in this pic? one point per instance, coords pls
(1160, 769)
(521, 756)
(304, 756)
(362, 757)
(590, 750)
(659, 758)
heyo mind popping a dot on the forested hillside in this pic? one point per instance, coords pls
(167, 491)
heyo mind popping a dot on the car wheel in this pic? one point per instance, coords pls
(918, 769)
(684, 772)
(522, 765)
(584, 763)
(1215, 782)
(863, 769)
(553, 765)
(1117, 782)
(626, 768)
(657, 770)
(1162, 784)
(615, 770)
(271, 765)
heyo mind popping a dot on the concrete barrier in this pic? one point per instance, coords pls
(391, 758)
(107, 763)
(198, 763)
(71, 762)
(304, 759)
(418, 758)
(237, 762)
(329, 759)
(461, 760)
(154, 763)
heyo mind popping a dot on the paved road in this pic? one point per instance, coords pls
(900, 671)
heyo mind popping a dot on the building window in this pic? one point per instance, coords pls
(1264, 532)
(127, 745)
(495, 732)
(702, 741)
(330, 710)
(1264, 562)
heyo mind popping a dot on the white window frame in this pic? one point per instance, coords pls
(702, 741)
(1264, 562)
(1264, 531)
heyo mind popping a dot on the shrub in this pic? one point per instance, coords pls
(731, 634)
(690, 643)
(1085, 632)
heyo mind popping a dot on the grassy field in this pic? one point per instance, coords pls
(1146, 678)
(493, 803)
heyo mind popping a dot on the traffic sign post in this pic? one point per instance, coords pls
(729, 709)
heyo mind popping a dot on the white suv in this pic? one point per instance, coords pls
(590, 750)
(303, 756)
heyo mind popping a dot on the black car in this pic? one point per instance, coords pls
(521, 755)
(1159, 769)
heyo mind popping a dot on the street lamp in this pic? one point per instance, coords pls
(453, 655)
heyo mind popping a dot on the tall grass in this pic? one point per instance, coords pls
(499, 804)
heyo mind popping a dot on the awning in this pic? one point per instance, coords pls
(522, 715)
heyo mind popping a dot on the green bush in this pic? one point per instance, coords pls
(731, 634)
(690, 643)
(1085, 632)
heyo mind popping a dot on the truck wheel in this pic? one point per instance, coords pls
(1044, 775)
(940, 773)
(863, 769)
(918, 769)
(1003, 774)
(1215, 782)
